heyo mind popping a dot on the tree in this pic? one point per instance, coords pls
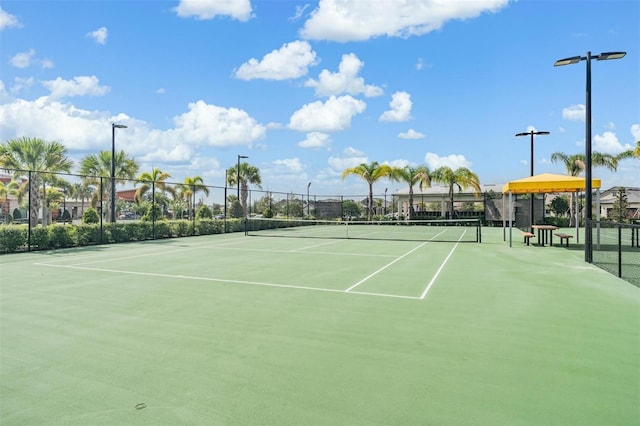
(190, 187)
(412, 175)
(11, 188)
(462, 177)
(38, 156)
(575, 165)
(560, 205)
(247, 174)
(370, 173)
(620, 205)
(630, 153)
(157, 181)
(95, 167)
(81, 191)
(351, 209)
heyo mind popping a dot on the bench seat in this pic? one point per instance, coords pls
(527, 236)
(563, 237)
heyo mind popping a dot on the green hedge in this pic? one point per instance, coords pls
(15, 237)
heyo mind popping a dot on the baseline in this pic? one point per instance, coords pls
(220, 280)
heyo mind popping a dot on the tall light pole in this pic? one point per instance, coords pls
(532, 133)
(587, 153)
(114, 126)
(238, 177)
(308, 185)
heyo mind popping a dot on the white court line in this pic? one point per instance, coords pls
(101, 257)
(256, 283)
(433, 280)
(388, 264)
(313, 246)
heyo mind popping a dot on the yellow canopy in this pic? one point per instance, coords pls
(548, 183)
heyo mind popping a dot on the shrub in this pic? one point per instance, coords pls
(236, 209)
(12, 237)
(163, 230)
(62, 236)
(40, 238)
(204, 212)
(153, 213)
(209, 227)
(90, 215)
(87, 234)
(138, 231)
(117, 232)
(182, 228)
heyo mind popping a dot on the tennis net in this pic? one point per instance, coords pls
(456, 230)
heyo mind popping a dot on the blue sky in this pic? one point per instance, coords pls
(306, 89)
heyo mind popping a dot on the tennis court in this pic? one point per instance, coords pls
(265, 329)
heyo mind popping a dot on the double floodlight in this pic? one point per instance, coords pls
(605, 56)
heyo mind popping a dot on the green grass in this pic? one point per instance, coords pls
(230, 329)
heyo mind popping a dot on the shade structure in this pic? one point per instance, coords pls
(548, 183)
(545, 183)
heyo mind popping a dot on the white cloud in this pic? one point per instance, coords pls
(608, 143)
(635, 132)
(20, 84)
(79, 86)
(78, 129)
(22, 59)
(46, 63)
(100, 35)
(299, 12)
(346, 80)
(574, 113)
(350, 157)
(345, 20)
(332, 116)
(216, 126)
(316, 140)
(160, 91)
(411, 134)
(292, 60)
(8, 20)
(209, 9)
(433, 161)
(289, 165)
(177, 153)
(400, 108)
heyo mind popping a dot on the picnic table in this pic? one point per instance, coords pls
(545, 233)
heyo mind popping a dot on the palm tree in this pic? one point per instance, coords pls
(248, 175)
(461, 177)
(156, 180)
(81, 191)
(575, 165)
(630, 153)
(96, 167)
(37, 156)
(412, 175)
(190, 187)
(6, 189)
(370, 173)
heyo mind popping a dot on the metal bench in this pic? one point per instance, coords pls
(563, 237)
(527, 236)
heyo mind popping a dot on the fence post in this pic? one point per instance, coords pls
(619, 250)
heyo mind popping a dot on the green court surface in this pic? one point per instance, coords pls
(244, 330)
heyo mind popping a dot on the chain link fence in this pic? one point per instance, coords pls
(616, 248)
